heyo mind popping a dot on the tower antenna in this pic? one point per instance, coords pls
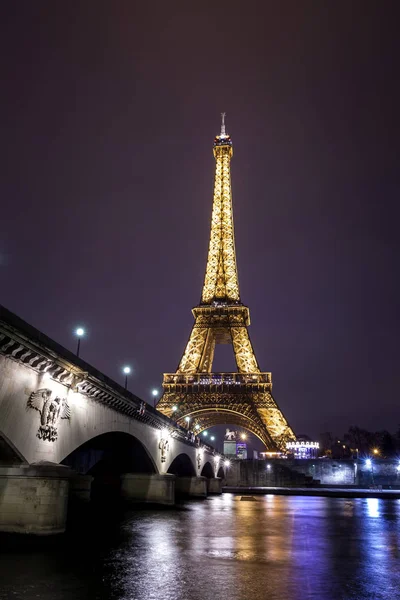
(223, 132)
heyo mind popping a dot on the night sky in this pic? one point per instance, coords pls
(108, 114)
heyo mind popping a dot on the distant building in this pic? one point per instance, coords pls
(230, 448)
(241, 450)
(303, 449)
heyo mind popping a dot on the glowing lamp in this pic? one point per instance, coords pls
(79, 332)
(154, 392)
(174, 408)
(126, 371)
(227, 463)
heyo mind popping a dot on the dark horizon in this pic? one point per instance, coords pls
(108, 119)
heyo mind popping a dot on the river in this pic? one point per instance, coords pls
(267, 548)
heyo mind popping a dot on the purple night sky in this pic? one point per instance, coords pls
(108, 114)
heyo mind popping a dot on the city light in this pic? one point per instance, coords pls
(205, 433)
(227, 463)
(375, 451)
(197, 426)
(187, 419)
(126, 370)
(79, 332)
(174, 408)
(154, 392)
(212, 438)
(268, 467)
(243, 436)
(368, 463)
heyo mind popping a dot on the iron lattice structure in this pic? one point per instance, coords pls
(243, 398)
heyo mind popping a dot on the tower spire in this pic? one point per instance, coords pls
(223, 132)
(221, 279)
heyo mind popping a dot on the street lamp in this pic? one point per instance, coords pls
(243, 436)
(187, 419)
(154, 393)
(79, 332)
(212, 438)
(205, 433)
(126, 370)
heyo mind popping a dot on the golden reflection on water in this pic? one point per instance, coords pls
(269, 548)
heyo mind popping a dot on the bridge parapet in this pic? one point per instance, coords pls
(25, 345)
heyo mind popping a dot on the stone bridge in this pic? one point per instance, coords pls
(68, 431)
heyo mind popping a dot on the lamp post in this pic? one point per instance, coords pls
(79, 332)
(126, 370)
(154, 393)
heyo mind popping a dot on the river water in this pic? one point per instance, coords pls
(271, 547)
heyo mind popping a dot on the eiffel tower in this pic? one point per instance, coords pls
(196, 396)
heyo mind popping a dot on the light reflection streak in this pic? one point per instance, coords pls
(373, 507)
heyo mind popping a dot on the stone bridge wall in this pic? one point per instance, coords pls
(260, 473)
(51, 403)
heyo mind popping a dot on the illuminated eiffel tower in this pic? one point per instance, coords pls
(196, 395)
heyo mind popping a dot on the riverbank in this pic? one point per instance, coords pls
(331, 492)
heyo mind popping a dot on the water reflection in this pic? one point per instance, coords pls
(373, 507)
(272, 547)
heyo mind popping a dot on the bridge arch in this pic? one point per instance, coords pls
(115, 451)
(208, 417)
(182, 466)
(107, 457)
(207, 470)
(221, 472)
(9, 454)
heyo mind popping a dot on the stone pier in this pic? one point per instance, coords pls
(195, 487)
(141, 487)
(34, 498)
(214, 485)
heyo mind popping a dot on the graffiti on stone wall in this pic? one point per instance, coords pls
(50, 410)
